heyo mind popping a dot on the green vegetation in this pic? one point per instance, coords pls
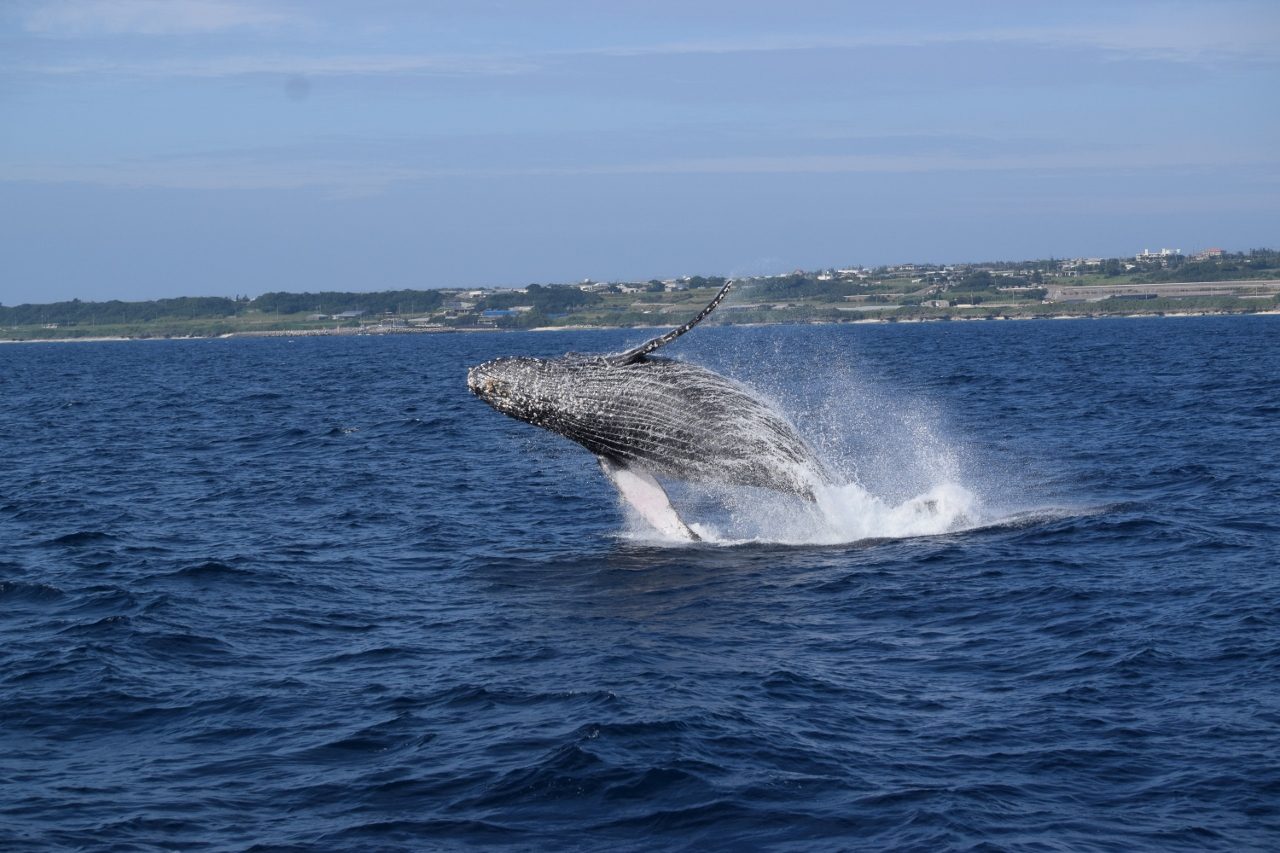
(1258, 263)
(76, 312)
(331, 302)
(905, 292)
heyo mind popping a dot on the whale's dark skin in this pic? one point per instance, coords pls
(654, 416)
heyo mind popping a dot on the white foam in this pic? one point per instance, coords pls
(842, 514)
(851, 513)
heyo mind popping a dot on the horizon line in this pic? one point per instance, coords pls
(742, 276)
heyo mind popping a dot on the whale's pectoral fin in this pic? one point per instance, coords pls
(637, 353)
(647, 496)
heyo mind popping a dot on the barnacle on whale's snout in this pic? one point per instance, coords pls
(509, 384)
(483, 381)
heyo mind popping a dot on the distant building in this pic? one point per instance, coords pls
(1207, 254)
(348, 315)
(1078, 266)
(1148, 255)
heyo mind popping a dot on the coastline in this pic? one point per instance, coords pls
(377, 331)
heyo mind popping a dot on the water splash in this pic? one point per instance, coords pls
(894, 471)
(842, 514)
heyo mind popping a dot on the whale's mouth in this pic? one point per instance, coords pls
(482, 382)
(495, 383)
(478, 383)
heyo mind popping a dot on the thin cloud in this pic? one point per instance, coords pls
(327, 66)
(889, 164)
(79, 18)
(219, 174)
(1185, 39)
(348, 177)
(1241, 34)
(1175, 39)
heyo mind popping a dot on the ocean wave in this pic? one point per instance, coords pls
(1038, 611)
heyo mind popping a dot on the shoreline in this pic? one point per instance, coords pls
(376, 332)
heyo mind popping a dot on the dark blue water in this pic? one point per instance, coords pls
(310, 594)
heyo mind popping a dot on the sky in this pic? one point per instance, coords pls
(153, 148)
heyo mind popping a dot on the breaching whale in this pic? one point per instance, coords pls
(646, 417)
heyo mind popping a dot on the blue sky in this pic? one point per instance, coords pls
(179, 147)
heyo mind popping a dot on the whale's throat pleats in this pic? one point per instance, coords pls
(646, 495)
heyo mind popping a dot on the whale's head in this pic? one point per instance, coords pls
(528, 389)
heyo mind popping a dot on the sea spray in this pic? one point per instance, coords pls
(841, 514)
(892, 471)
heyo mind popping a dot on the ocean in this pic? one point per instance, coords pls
(310, 594)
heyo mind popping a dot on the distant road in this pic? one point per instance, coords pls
(1172, 289)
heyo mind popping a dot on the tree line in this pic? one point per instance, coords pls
(116, 312)
(547, 300)
(1256, 263)
(803, 286)
(76, 312)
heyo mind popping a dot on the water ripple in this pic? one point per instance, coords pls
(274, 595)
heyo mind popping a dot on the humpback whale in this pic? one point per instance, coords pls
(645, 417)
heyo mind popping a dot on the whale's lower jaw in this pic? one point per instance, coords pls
(777, 475)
